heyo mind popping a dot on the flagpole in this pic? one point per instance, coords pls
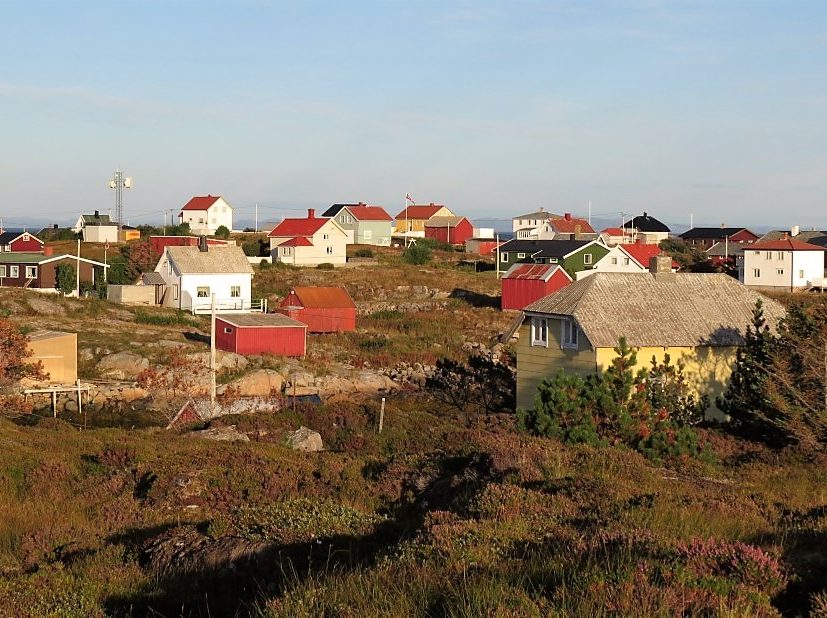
(407, 195)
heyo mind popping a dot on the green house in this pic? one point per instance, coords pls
(573, 255)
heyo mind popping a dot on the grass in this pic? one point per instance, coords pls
(165, 318)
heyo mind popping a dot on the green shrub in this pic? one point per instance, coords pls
(66, 278)
(165, 319)
(417, 254)
(264, 265)
(325, 266)
(222, 232)
(363, 253)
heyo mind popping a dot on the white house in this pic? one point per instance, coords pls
(97, 228)
(783, 264)
(529, 222)
(193, 274)
(628, 258)
(205, 214)
(309, 242)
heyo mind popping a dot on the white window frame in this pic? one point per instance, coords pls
(626, 261)
(14, 271)
(539, 332)
(235, 291)
(25, 238)
(800, 274)
(756, 272)
(201, 288)
(781, 255)
(7, 248)
(325, 236)
(329, 250)
(367, 234)
(587, 258)
(768, 255)
(228, 330)
(31, 272)
(285, 251)
(614, 260)
(174, 291)
(569, 335)
(520, 256)
(2, 270)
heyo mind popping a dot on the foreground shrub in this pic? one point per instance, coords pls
(417, 254)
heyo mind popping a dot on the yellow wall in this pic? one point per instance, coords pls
(58, 352)
(418, 225)
(707, 368)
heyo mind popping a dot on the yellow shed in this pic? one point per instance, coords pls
(58, 352)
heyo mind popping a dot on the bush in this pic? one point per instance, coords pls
(363, 253)
(165, 319)
(325, 266)
(66, 279)
(417, 254)
(222, 232)
(264, 265)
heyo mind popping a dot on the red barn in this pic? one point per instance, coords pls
(525, 283)
(159, 243)
(20, 242)
(323, 309)
(450, 230)
(260, 333)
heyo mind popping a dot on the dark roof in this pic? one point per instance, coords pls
(729, 249)
(544, 248)
(8, 236)
(333, 210)
(711, 232)
(814, 237)
(98, 220)
(646, 223)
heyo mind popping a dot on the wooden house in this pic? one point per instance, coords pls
(412, 220)
(525, 283)
(449, 230)
(309, 241)
(20, 242)
(39, 270)
(323, 309)
(260, 333)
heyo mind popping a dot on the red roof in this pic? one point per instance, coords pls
(571, 225)
(540, 272)
(420, 212)
(787, 244)
(299, 227)
(201, 202)
(296, 241)
(613, 231)
(369, 213)
(323, 297)
(641, 253)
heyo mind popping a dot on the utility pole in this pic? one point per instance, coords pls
(497, 256)
(119, 182)
(77, 273)
(255, 227)
(212, 352)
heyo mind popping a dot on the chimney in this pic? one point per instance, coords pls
(203, 247)
(567, 216)
(661, 267)
(97, 215)
(311, 213)
(784, 236)
(723, 226)
(48, 251)
(795, 230)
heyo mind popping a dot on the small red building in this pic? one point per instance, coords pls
(260, 333)
(323, 309)
(450, 230)
(20, 242)
(159, 243)
(525, 283)
(481, 246)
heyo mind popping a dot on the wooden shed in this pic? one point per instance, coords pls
(260, 333)
(58, 353)
(525, 283)
(323, 309)
(450, 230)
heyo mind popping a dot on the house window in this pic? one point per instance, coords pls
(169, 267)
(31, 272)
(520, 256)
(539, 332)
(800, 274)
(175, 291)
(780, 255)
(235, 291)
(779, 271)
(368, 234)
(756, 272)
(569, 335)
(614, 260)
(286, 250)
(25, 238)
(2, 270)
(552, 260)
(503, 257)
(228, 330)
(325, 236)
(587, 258)
(626, 261)
(14, 271)
(7, 248)
(202, 292)
(769, 255)
(329, 250)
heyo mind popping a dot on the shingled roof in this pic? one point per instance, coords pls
(645, 223)
(218, 259)
(679, 310)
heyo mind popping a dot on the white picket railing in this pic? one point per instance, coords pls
(202, 306)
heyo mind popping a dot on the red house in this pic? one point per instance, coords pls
(525, 283)
(323, 309)
(450, 230)
(20, 242)
(260, 333)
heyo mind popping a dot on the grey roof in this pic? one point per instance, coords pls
(218, 259)
(721, 249)
(814, 237)
(259, 319)
(443, 221)
(537, 214)
(98, 220)
(152, 278)
(678, 310)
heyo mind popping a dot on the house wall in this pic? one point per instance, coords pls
(59, 356)
(19, 281)
(335, 243)
(782, 269)
(518, 224)
(218, 284)
(281, 340)
(615, 261)
(131, 294)
(577, 261)
(48, 272)
(418, 225)
(376, 233)
(477, 246)
(452, 236)
(518, 293)
(100, 233)
(323, 320)
(20, 245)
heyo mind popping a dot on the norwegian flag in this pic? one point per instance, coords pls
(409, 198)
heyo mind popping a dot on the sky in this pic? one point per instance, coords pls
(714, 110)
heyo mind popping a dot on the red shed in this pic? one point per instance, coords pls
(525, 283)
(450, 230)
(260, 333)
(20, 242)
(323, 309)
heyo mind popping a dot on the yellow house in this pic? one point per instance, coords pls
(413, 218)
(698, 319)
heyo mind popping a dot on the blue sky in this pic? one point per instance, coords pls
(494, 108)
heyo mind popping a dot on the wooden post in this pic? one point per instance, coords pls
(382, 415)
(80, 399)
(54, 403)
(212, 353)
